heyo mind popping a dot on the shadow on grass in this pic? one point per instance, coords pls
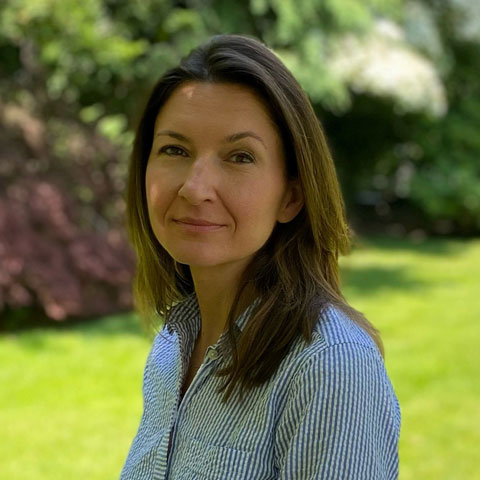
(370, 280)
(428, 246)
(39, 337)
(26, 321)
(117, 324)
(363, 280)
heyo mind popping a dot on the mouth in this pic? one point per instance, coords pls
(197, 224)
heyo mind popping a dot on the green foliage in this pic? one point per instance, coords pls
(77, 45)
(321, 84)
(394, 159)
(114, 127)
(304, 33)
(447, 184)
(83, 69)
(104, 51)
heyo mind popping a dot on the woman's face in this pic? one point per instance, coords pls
(216, 178)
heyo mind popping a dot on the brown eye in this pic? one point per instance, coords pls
(242, 157)
(173, 151)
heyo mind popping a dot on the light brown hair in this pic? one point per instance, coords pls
(296, 273)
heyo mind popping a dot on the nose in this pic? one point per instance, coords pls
(199, 182)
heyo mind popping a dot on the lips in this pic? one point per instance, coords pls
(197, 226)
(199, 222)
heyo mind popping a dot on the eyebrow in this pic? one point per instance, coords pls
(229, 139)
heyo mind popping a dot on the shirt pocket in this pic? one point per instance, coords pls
(207, 461)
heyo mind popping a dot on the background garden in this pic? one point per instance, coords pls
(396, 86)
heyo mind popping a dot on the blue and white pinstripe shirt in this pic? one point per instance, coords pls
(329, 412)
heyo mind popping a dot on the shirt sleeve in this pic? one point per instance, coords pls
(341, 419)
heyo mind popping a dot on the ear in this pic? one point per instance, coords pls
(292, 202)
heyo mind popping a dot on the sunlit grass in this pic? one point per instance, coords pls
(425, 299)
(70, 400)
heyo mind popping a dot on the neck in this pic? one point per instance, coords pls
(215, 289)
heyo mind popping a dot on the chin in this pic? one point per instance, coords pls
(210, 256)
(195, 259)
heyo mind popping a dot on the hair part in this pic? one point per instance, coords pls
(296, 273)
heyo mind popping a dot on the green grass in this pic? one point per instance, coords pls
(425, 299)
(70, 401)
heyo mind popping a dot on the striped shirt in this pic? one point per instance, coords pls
(329, 411)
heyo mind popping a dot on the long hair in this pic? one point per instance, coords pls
(296, 274)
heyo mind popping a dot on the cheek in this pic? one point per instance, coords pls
(258, 203)
(157, 194)
(151, 191)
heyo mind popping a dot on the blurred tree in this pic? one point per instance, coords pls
(63, 166)
(446, 181)
(422, 162)
(73, 79)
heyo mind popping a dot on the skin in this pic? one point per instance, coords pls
(213, 201)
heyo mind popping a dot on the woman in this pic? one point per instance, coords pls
(262, 370)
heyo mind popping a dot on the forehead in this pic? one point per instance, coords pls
(223, 105)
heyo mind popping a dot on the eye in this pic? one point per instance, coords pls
(173, 151)
(242, 157)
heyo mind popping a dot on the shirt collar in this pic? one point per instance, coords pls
(184, 312)
(185, 316)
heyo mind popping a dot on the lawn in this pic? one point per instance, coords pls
(424, 298)
(71, 401)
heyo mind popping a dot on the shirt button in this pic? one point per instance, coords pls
(212, 354)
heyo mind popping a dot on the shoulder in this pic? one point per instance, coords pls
(337, 336)
(338, 406)
(335, 327)
(341, 352)
(342, 367)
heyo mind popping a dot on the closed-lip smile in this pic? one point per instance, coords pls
(197, 224)
(196, 221)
